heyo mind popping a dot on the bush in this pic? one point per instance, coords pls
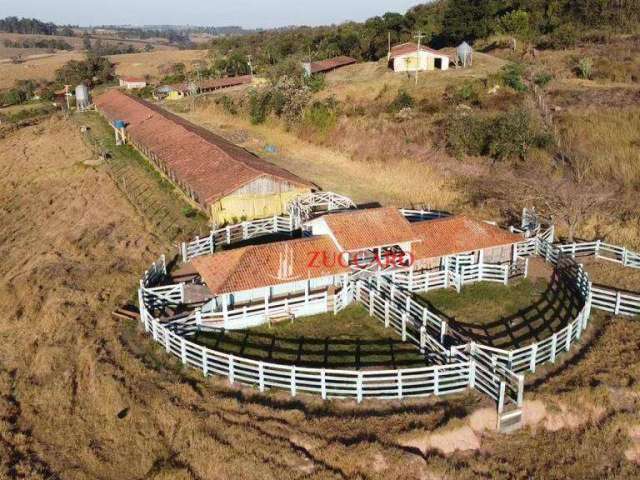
(316, 82)
(228, 104)
(468, 92)
(403, 100)
(466, 134)
(259, 105)
(542, 79)
(584, 68)
(511, 76)
(565, 36)
(321, 116)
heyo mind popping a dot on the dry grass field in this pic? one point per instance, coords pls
(83, 396)
(44, 66)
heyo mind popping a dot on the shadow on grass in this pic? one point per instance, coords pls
(559, 304)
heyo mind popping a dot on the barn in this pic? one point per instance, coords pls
(326, 66)
(227, 181)
(407, 57)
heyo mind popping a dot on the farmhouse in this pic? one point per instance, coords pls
(312, 274)
(131, 83)
(225, 180)
(325, 66)
(407, 57)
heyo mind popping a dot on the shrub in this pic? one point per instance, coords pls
(402, 100)
(584, 68)
(512, 134)
(321, 116)
(542, 79)
(259, 105)
(468, 92)
(565, 36)
(315, 82)
(466, 134)
(511, 76)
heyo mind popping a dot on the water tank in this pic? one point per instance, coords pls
(82, 97)
(465, 54)
(119, 123)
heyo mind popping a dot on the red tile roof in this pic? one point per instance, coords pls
(215, 83)
(209, 165)
(133, 79)
(331, 64)
(374, 227)
(457, 234)
(410, 47)
(258, 266)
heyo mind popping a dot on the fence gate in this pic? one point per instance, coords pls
(455, 264)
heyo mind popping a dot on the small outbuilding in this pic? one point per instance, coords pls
(408, 57)
(131, 83)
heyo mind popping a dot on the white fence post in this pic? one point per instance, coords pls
(231, 373)
(183, 350)
(372, 297)
(261, 376)
(183, 248)
(387, 314)
(404, 326)
(443, 331)
(323, 384)
(359, 387)
(534, 355)
(436, 380)
(205, 366)
(423, 338)
(472, 373)
(293, 380)
(554, 346)
(567, 343)
(399, 384)
(616, 309)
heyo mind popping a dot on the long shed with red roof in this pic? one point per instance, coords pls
(227, 181)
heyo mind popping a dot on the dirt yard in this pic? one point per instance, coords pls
(83, 396)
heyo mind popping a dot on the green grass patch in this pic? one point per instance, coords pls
(349, 340)
(485, 302)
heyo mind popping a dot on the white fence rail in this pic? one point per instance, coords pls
(234, 234)
(328, 383)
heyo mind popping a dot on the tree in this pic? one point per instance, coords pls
(515, 24)
(469, 19)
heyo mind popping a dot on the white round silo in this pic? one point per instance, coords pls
(82, 97)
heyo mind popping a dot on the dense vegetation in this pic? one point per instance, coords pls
(444, 22)
(49, 43)
(32, 25)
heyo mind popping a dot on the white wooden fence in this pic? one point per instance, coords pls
(234, 234)
(419, 215)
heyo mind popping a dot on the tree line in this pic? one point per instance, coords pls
(545, 23)
(33, 26)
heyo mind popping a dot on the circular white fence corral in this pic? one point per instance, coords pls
(492, 371)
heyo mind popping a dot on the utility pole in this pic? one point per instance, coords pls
(388, 46)
(419, 36)
(250, 66)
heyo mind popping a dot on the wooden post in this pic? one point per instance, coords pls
(404, 326)
(372, 297)
(534, 355)
(261, 376)
(323, 384)
(205, 365)
(386, 313)
(231, 373)
(183, 350)
(436, 381)
(472, 373)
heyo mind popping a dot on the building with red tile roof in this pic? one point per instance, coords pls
(324, 66)
(227, 181)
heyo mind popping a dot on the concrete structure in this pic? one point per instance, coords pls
(225, 180)
(407, 58)
(131, 83)
(83, 101)
(464, 54)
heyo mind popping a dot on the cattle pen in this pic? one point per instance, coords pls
(455, 363)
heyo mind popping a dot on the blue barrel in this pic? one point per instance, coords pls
(119, 123)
